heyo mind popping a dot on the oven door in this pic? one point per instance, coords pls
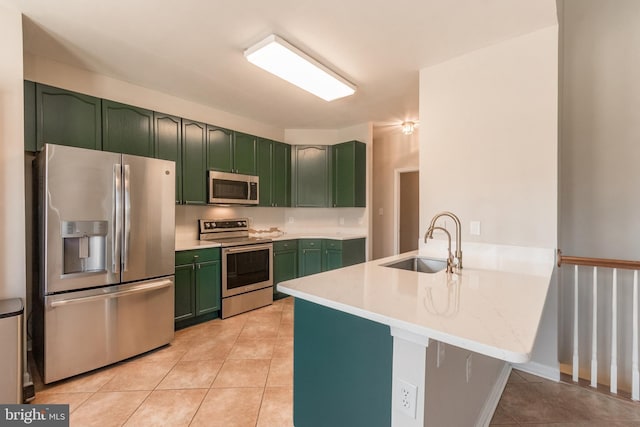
(246, 268)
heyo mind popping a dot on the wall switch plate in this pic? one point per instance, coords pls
(341, 221)
(291, 220)
(474, 228)
(407, 398)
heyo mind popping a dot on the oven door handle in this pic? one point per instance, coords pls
(247, 248)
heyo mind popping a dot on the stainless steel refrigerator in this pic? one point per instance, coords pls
(106, 243)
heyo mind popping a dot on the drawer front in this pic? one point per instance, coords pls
(310, 243)
(197, 255)
(285, 245)
(332, 244)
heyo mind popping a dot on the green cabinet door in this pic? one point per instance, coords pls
(194, 171)
(207, 287)
(30, 117)
(67, 118)
(219, 149)
(244, 153)
(127, 129)
(285, 264)
(309, 256)
(354, 251)
(185, 297)
(281, 175)
(311, 166)
(264, 166)
(168, 144)
(349, 174)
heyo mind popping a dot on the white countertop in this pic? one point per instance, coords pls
(186, 245)
(319, 235)
(492, 311)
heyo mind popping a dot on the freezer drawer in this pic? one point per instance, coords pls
(89, 329)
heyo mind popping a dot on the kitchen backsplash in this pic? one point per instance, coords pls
(289, 220)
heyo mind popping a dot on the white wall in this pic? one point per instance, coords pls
(12, 196)
(489, 152)
(391, 150)
(488, 140)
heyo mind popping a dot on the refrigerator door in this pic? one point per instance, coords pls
(79, 211)
(89, 329)
(148, 241)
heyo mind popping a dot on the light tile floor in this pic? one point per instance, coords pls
(232, 372)
(239, 372)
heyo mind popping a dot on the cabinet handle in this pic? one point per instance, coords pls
(199, 266)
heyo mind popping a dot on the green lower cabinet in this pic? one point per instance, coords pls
(342, 253)
(185, 297)
(343, 369)
(309, 256)
(207, 287)
(197, 286)
(285, 263)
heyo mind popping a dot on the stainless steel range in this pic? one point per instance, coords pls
(247, 264)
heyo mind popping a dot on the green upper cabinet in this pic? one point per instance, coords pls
(67, 118)
(30, 117)
(229, 151)
(244, 153)
(168, 144)
(194, 167)
(219, 149)
(311, 172)
(264, 165)
(274, 169)
(281, 175)
(349, 166)
(127, 129)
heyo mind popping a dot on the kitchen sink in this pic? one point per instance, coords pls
(419, 264)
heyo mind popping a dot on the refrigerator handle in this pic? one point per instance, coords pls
(147, 287)
(116, 215)
(127, 219)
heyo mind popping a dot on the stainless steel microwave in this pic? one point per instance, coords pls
(232, 189)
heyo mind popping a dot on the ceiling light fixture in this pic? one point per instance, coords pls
(279, 57)
(407, 127)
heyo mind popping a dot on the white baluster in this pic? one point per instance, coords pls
(576, 367)
(594, 331)
(635, 383)
(614, 333)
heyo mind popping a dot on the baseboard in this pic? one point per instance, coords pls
(540, 370)
(490, 405)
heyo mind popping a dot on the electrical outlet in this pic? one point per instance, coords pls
(468, 367)
(341, 221)
(291, 220)
(407, 398)
(474, 228)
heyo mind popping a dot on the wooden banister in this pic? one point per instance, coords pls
(597, 262)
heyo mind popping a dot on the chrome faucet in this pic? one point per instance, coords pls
(429, 235)
(456, 220)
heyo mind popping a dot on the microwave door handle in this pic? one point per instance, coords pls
(116, 212)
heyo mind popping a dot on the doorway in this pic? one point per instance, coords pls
(407, 207)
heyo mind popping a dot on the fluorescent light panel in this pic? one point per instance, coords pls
(278, 57)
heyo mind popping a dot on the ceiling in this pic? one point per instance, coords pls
(193, 49)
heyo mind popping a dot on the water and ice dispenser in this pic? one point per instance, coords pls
(84, 246)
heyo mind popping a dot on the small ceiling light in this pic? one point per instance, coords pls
(278, 57)
(407, 127)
